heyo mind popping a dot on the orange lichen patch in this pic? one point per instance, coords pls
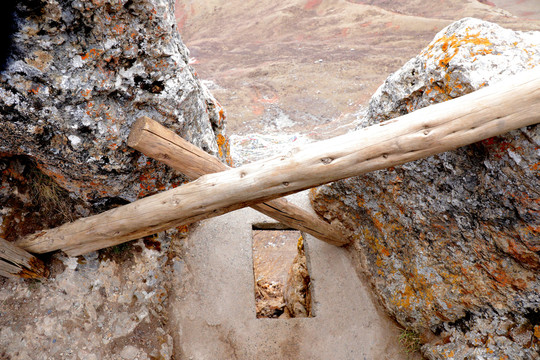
(119, 29)
(148, 183)
(58, 177)
(161, 64)
(417, 291)
(102, 112)
(409, 105)
(221, 115)
(437, 91)
(481, 52)
(501, 277)
(377, 247)
(450, 46)
(35, 90)
(524, 199)
(403, 297)
(184, 229)
(11, 173)
(498, 147)
(379, 225)
(224, 148)
(448, 353)
(533, 229)
(91, 54)
(537, 331)
(220, 141)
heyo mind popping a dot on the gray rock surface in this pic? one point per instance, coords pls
(451, 243)
(107, 305)
(80, 73)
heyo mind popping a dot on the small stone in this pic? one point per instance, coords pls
(129, 352)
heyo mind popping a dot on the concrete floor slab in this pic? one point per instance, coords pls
(213, 313)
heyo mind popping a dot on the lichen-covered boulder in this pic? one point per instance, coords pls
(79, 73)
(451, 243)
(76, 77)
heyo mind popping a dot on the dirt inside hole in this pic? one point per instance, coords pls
(282, 282)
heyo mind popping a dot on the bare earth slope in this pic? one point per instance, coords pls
(302, 65)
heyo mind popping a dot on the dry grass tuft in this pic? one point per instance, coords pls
(410, 340)
(50, 197)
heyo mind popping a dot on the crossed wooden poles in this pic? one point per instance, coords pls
(510, 104)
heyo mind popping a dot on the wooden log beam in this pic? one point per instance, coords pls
(160, 143)
(15, 262)
(511, 104)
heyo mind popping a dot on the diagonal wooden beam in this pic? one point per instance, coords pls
(510, 104)
(160, 143)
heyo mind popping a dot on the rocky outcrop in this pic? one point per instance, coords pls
(79, 73)
(451, 243)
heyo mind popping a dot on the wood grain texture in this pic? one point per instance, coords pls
(491, 111)
(16, 262)
(160, 143)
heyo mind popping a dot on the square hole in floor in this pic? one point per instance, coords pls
(282, 282)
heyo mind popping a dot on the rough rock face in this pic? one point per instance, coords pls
(107, 305)
(80, 73)
(452, 242)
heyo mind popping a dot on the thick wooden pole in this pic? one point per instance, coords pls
(15, 262)
(491, 111)
(160, 143)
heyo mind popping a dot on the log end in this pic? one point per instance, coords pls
(16, 262)
(37, 270)
(137, 129)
